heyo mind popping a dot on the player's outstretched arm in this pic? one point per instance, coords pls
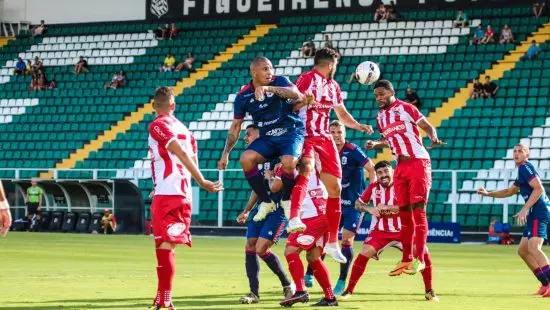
(191, 166)
(431, 132)
(230, 142)
(241, 218)
(285, 92)
(503, 193)
(376, 144)
(5, 215)
(369, 167)
(345, 117)
(363, 207)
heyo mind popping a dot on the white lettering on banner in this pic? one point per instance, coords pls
(222, 6)
(263, 6)
(365, 2)
(302, 3)
(281, 5)
(345, 3)
(320, 4)
(188, 4)
(206, 7)
(243, 6)
(440, 233)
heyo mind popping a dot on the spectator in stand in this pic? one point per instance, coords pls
(187, 64)
(308, 48)
(477, 90)
(173, 31)
(532, 51)
(489, 36)
(381, 13)
(52, 84)
(118, 80)
(108, 222)
(490, 88)
(39, 30)
(37, 65)
(28, 67)
(162, 33)
(461, 19)
(392, 12)
(38, 81)
(328, 42)
(506, 35)
(478, 35)
(169, 63)
(538, 8)
(19, 67)
(81, 66)
(412, 97)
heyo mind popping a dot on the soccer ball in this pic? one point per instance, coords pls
(367, 72)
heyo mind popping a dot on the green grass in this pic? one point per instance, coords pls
(67, 271)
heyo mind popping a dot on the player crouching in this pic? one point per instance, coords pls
(312, 240)
(384, 229)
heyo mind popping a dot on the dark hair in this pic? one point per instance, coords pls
(325, 54)
(253, 126)
(163, 95)
(382, 164)
(384, 84)
(533, 41)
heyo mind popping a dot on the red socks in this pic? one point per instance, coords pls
(427, 272)
(359, 266)
(166, 268)
(296, 269)
(334, 213)
(420, 233)
(407, 234)
(320, 272)
(298, 195)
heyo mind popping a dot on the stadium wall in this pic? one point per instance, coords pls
(72, 11)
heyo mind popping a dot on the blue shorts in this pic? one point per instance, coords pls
(290, 143)
(351, 219)
(270, 228)
(536, 227)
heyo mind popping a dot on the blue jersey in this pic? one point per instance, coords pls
(274, 115)
(526, 173)
(353, 178)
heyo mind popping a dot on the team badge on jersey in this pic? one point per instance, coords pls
(176, 229)
(305, 240)
(344, 160)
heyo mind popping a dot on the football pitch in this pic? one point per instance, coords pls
(69, 271)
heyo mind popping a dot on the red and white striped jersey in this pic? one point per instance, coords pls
(326, 93)
(316, 198)
(398, 125)
(169, 175)
(378, 194)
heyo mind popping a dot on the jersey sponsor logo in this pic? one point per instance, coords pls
(263, 105)
(176, 229)
(305, 239)
(320, 106)
(262, 124)
(159, 132)
(276, 132)
(345, 185)
(388, 131)
(344, 160)
(346, 202)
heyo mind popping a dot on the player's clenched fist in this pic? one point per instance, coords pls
(212, 187)
(222, 163)
(241, 218)
(370, 145)
(482, 191)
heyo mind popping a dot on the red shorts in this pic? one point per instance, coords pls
(326, 149)
(380, 240)
(171, 218)
(412, 181)
(314, 235)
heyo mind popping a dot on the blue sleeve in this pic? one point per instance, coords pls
(282, 81)
(527, 172)
(360, 157)
(238, 107)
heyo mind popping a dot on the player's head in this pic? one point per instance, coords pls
(384, 172)
(106, 211)
(164, 101)
(384, 93)
(261, 70)
(326, 59)
(338, 132)
(487, 79)
(521, 153)
(252, 133)
(34, 181)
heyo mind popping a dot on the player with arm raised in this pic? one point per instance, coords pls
(384, 228)
(173, 163)
(534, 216)
(398, 123)
(320, 84)
(270, 101)
(262, 235)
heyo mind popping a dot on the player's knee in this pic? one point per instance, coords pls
(368, 251)
(262, 249)
(251, 244)
(289, 164)
(306, 166)
(523, 252)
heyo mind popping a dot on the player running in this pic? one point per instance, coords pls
(262, 235)
(320, 84)
(267, 98)
(398, 123)
(173, 163)
(534, 216)
(354, 162)
(384, 228)
(312, 240)
(5, 215)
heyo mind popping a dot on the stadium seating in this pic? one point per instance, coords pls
(421, 50)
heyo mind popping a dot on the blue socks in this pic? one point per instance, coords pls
(289, 180)
(256, 181)
(347, 250)
(273, 262)
(252, 265)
